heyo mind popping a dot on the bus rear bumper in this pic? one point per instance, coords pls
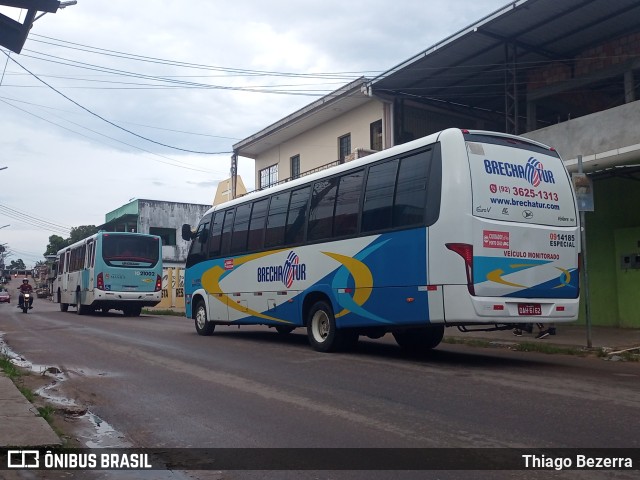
(145, 299)
(461, 307)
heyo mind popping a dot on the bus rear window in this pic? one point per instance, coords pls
(133, 251)
(519, 182)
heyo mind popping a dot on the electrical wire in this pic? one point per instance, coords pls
(34, 221)
(184, 166)
(108, 121)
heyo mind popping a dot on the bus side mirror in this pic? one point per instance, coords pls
(187, 234)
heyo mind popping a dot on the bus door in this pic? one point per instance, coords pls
(65, 276)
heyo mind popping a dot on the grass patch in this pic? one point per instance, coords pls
(28, 394)
(473, 342)
(9, 368)
(47, 412)
(16, 375)
(168, 311)
(548, 348)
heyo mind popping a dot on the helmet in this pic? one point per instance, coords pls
(25, 280)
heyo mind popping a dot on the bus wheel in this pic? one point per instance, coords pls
(419, 339)
(203, 326)
(80, 309)
(323, 334)
(284, 329)
(63, 306)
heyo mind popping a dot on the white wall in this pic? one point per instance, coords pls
(319, 146)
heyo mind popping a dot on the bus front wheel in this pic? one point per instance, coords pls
(323, 334)
(203, 325)
(419, 339)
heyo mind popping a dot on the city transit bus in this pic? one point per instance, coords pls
(472, 229)
(110, 271)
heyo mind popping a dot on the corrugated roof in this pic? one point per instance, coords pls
(468, 68)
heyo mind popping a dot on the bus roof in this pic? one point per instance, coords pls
(395, 150)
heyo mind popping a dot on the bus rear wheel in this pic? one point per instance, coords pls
(417, 340)
(203, 326)
(80, 308)
(132, 311)
(63, 306)
(323, 334)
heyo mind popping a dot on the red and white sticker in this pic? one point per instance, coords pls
(493, 239)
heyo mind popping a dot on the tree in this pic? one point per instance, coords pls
(17, 265)
(57, 243)
(83, 231)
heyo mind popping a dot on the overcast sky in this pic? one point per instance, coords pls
(109, 100)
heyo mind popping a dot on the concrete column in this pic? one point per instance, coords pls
(532, 119)
(629, 87)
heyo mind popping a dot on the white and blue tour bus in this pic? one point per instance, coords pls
(472, 229)
(110, 271)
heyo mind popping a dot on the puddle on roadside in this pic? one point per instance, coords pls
(89, 428)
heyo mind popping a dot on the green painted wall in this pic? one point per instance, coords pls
(611, 228)
(130, 208)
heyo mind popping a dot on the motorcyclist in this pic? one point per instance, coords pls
(25, 288)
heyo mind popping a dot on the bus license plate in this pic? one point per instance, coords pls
(529, 309)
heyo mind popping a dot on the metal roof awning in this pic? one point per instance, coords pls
(13, 34)
(128, 218)
(469, 69)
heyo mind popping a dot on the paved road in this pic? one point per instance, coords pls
(159, 384)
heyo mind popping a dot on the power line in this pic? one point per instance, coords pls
(108, 121)
(8, 99)
(242, 71)
(34, 221)
(110, 138)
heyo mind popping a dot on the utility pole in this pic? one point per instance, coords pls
(585, 203)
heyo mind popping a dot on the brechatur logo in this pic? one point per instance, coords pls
(291, 271)
(533, 172)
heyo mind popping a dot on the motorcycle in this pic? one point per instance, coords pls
(24, 303)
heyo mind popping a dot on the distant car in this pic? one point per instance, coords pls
(5, 297)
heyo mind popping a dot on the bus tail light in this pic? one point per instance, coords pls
(466, 252)
(158, 283)
(100, 281)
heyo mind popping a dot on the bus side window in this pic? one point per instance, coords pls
(225, 244)
(256, 224)
(216, 235)
(323, 200)
(276, 219)
(198, 249)
(240, 229)
(348, 204)
(411, 191)
(297, 215)
(378, 198)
